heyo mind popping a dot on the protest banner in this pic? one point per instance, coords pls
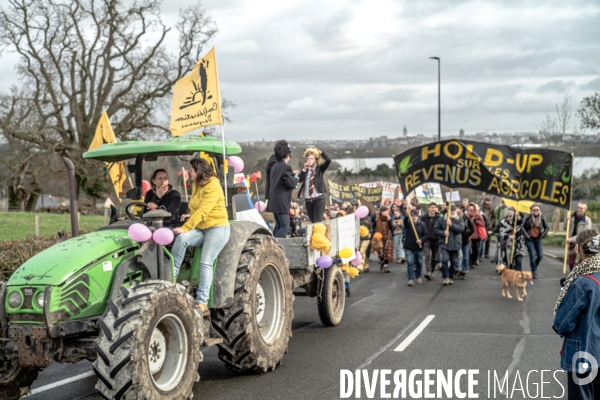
(343, 193)
(428, 193)
(539, 175)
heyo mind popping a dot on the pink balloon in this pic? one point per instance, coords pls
(145, 187)
(163, 236)
(324, 261)
(358, 260)
(260, 206)
(237, 164)
(139, 232)
(361, 212)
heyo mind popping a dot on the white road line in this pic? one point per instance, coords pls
(60, 383)
(406, 342)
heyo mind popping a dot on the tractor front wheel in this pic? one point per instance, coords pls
(149, 343)
(15, 380)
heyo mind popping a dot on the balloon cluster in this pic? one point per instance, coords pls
(260, 206)
(361, 212)
(141, 233)
(326, 261)
(236, 163)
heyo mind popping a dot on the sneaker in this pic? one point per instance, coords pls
(438, 267)
(385, 268)
(411, 283)
(381, 266)
(419, 281)
(402, 260)
(472, 267)
(534, 274)
(446, 282)
(427, 276)
(487, 256)
(202, 308)
(348, 294)
(477, 262)
(450, 282)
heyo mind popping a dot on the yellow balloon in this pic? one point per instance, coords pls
(346, 252)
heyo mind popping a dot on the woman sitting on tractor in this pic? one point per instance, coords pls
(207, 226)
(162, 195)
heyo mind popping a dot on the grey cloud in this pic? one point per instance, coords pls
(592, 85)
(399, 95)
(557, 86)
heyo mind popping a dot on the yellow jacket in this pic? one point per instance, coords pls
(207, 206)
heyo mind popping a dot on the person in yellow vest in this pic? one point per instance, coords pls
(207, 226)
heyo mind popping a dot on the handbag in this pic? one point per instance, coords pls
(534, 232)
(481, 232)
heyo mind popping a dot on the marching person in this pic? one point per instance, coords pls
(283, 181)
(478, 222)
(449, 230)
(464, 254)
(398, 221)
(312, 185)
(577, 317)
(272, 160)
(509, 232)
(383, 225)
(413, 245)
(207, 226)
(579, 223)
(535, 229)
(431, 246)
(487, 210)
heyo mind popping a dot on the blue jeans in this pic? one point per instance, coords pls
(452, 258)
(411, 258)
(212, 241)
(282, 225)
(465, 258)
(398, 247)
(481, 250)
(534, 259)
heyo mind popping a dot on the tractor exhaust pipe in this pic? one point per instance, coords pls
(72, 196)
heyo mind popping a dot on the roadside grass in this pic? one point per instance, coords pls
(21, 225)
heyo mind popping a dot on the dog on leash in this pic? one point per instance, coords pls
(515, 279)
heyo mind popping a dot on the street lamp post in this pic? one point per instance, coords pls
(439, 101)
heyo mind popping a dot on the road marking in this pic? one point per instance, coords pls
(60, 383)
(406, 342)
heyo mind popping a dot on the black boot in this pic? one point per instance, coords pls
(348, 294)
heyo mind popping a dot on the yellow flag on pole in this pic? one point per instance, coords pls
(196, 98)
(105, 134)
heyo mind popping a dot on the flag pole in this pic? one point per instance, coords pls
(184, 184)
(413, 227)
(225, 162)
(568, 219)
(448, 212)
(512, 252)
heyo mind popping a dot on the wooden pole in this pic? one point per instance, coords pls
(37, 225)
(184, 184)
(448, 215)
(257, 194)
(512, 252)
(106, 209)
(413, 226)
(567, 244)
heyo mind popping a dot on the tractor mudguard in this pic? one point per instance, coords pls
(227, 262)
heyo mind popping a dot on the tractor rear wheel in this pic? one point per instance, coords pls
(331, 296)
(149, 343)
(256, 329)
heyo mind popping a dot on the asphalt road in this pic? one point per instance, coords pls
(473, 328)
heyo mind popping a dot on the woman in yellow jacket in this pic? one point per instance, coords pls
(207, 226)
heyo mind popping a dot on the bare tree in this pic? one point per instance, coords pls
(554, 128)
(590, 111)
(80, 57)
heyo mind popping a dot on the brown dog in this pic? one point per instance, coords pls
(515, 279)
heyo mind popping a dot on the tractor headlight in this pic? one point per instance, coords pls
(40, 299)
(15, 299)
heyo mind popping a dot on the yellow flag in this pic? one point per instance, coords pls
(196, 98)
(105, 134)
(522, 206)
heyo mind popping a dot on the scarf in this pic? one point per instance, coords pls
(589, 266)
(536, 220)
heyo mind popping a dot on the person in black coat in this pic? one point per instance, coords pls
(413, 246)
(451, 228)
(535, 229)
(161, 196)
(282, 181)
(312, 185)
(272, 160)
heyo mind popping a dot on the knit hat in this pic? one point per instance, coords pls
(508, 211)
(414, 212)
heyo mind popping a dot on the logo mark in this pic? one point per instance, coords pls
(581, 367)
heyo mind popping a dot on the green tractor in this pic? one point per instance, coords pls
(106, 298)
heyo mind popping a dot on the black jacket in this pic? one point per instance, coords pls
(320, 169)
(455, 237)
(270, 163)
(280, 188)
(468, 231)
(170, 201)
(430, 224)
(410, 242)
(527, 226)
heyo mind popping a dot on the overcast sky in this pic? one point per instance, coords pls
(354, 69)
